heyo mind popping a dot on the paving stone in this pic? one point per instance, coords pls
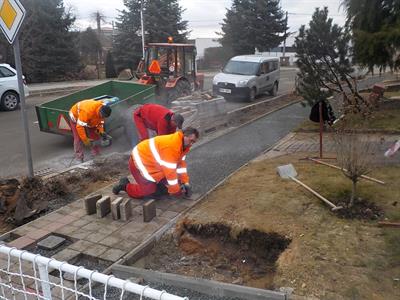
(169, 214)
(80, 223)
(95, 237)
(111, 240)
(103, 206)
(149, 211)
(79, 234)
(39, 223)
(90, 203)
(163, 205)
(66, 254)
(126, 209)
(51, 242)
(38, 234)
(21, 242)
(54, 216)
(54, 226)
(68, 219)
(78, 212)
(127, 245)
(177, 208)
(66, 230)
(93, 226)
(22, 230)
(116, 215)
(81, 245)
(112, 254)
(95, 250)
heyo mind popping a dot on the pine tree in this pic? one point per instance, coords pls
(110, 68)
(323, 58)
(162, 18)
(376, 35)
(253, 24)
(49, 49)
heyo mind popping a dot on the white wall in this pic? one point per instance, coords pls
(203, 43)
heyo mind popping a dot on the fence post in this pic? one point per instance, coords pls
(44, 281)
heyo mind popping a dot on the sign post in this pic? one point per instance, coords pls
(12, 14)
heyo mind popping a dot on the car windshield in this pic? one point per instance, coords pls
(241, 68)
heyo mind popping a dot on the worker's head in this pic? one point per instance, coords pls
(190, 136)
(105, 111)
(177, 120)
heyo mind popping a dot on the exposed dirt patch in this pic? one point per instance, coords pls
(38, 196)
(214, 251)
(361, 210)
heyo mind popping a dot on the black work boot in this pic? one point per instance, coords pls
(121, 186)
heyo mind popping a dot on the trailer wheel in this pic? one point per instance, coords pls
(9, 101)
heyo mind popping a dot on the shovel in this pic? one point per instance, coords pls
(288, 171)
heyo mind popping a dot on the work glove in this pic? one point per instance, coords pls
(87, 142)
(187, 190)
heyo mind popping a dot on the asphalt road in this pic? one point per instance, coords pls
(53, 151)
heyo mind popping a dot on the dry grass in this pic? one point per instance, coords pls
(382, 120)
(329, 258)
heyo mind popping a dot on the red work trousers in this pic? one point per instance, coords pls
(142, 187)
(78, 145)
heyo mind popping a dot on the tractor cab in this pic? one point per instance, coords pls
(172, 68)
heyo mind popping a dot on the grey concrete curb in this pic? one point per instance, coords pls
(208, 287)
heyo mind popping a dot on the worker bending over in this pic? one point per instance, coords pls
(87, 124)
(160, 160)
(157, 118)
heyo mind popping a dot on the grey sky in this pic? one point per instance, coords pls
(205, 16)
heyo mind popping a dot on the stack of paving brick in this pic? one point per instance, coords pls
(120, 208)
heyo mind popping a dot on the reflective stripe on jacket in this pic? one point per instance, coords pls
(163, 157)
(86, 113)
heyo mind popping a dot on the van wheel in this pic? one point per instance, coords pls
(9, 101)
(252, 94)
(274, 90)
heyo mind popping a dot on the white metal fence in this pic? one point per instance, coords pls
(25, 275)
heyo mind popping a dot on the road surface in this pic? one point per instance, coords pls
(53, 151)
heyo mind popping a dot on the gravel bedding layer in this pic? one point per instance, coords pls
(113, 293)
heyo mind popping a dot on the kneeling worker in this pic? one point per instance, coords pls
(159, 159)
(87, 125)
(156, 118)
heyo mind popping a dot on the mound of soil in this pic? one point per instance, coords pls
(213, 251)
(361, 210)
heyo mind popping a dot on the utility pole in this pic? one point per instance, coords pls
(284, 42)
(142, 24)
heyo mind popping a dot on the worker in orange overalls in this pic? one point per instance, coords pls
(160, 160)
(157, 118)
(87, 125)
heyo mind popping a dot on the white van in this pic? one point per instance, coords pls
(246, 76)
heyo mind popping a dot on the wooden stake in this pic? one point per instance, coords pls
(336, 167)
(334, 207)
(389, 224)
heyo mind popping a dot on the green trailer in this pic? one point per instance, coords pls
(53, 115)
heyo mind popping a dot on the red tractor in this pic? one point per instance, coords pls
(172, 68)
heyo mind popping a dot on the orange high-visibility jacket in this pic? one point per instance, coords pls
(163, 157)
(86, 113)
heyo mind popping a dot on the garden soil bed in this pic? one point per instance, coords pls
(328, 256)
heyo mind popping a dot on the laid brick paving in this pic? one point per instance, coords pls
(102, 238)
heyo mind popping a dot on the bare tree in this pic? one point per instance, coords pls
(354, 151)
(99, 17)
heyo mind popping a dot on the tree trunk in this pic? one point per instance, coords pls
(353, 193)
